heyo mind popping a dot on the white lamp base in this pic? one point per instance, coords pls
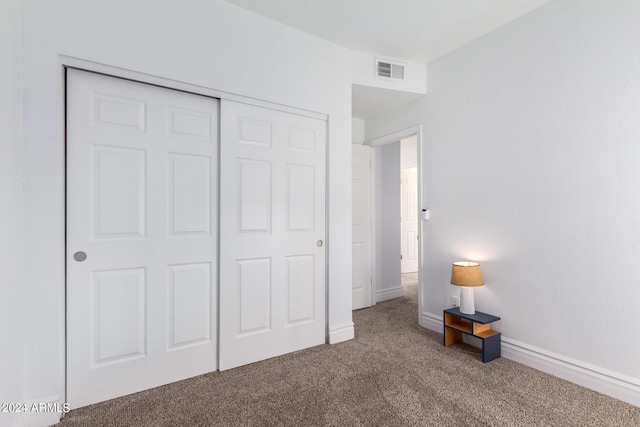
(467, 305)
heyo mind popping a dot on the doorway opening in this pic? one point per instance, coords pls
(396, 227)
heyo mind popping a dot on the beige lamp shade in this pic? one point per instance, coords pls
(464, 273)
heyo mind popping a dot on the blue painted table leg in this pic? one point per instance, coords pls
(491, 348)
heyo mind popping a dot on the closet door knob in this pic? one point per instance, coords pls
(80, 256)
(319, 243)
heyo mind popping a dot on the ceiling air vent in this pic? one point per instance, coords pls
(389, 70)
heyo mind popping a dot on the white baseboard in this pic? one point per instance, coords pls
(21, 420)
(389, 294)
(602, 380)
(341, 333)
(431, 321)
(49, 414)
(43, 419)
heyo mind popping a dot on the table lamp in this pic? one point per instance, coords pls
(467, 275)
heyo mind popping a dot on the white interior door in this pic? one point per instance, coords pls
(361, 226)
(141, 236)
(409, 227)
(272, 223)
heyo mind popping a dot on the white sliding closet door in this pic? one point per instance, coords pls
(141, 236)
(272, 228)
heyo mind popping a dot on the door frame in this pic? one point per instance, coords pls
(67, 62)
(390, 139)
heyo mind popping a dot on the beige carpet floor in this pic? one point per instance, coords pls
(394, 373)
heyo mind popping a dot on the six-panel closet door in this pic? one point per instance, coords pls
(142, 238)
(272, 261)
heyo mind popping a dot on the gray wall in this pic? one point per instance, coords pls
(531, 154)
(387, 218)
(11, 212)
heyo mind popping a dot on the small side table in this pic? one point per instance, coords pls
(476, 325)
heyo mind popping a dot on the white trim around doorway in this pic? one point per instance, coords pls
(389, 139)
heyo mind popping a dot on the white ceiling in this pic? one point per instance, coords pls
(410, 30)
